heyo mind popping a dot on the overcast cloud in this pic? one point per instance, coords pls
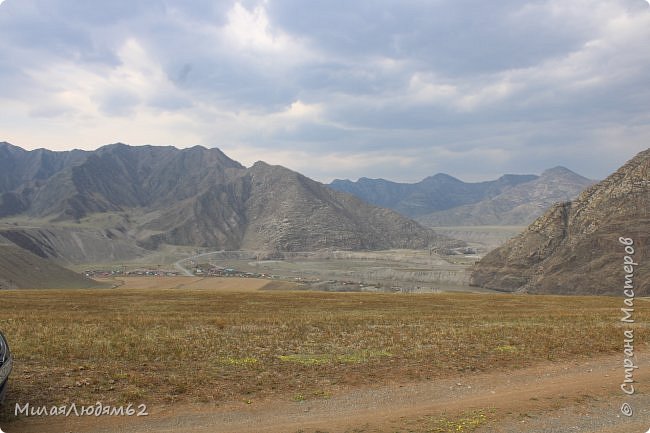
(392, 89)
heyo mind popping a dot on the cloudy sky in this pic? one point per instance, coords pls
(336, 89)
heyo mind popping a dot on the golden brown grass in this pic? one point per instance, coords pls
(169, 345)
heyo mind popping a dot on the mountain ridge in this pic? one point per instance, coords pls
(574, 247)
(433, 193)
(151, 196)
(517, 205)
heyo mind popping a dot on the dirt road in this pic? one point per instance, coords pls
(582, 396)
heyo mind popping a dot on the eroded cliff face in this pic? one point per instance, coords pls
(574, 248)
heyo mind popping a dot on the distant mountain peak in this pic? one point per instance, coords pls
(559, 171)
(261, 163)
(509, 176)
(522, 199)
(10, 147)
(434, 193)
(118, 145)
(444, 176)
(440, 178)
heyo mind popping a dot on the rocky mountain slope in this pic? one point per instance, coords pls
(118, 177)
(574, 247)
(20, 269)
(288, 210)
(435, 193)
(120, 201)
(21, 172)
(69, 245)
(517, 205)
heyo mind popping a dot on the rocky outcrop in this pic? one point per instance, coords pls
(574, 247)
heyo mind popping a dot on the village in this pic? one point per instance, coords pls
(210, 270)
(197, 269)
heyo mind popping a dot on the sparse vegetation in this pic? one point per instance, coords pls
(171, 345)
(463, 423)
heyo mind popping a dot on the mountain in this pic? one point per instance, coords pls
(288, 210)
(71, 244)
(435, 193)
(19, 168)
(272, 208)
(21, 172)
(19, 269)
(517, 205)
(574, 247)
(120, 202)
(116, 177)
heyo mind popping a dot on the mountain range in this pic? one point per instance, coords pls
(120, 202)
(443, 200)
(519, 204)
(434, 193)
(576, 248)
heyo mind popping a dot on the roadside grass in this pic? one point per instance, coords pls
(465, 422)
(160, 346)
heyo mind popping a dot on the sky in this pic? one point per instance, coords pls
(398, 90)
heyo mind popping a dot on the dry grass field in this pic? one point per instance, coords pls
(199, 283)
(189, 345)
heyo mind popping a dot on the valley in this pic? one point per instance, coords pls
(407, 271)
(378, 271)
(259, 297)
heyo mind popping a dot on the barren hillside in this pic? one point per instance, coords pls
(575, 247)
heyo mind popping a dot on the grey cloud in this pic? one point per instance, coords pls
(120, 102)
(324, 79)
(452, 37)
(238, 87)
(313, 136)
(563, 76)
(68, 30)
(50, 110)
